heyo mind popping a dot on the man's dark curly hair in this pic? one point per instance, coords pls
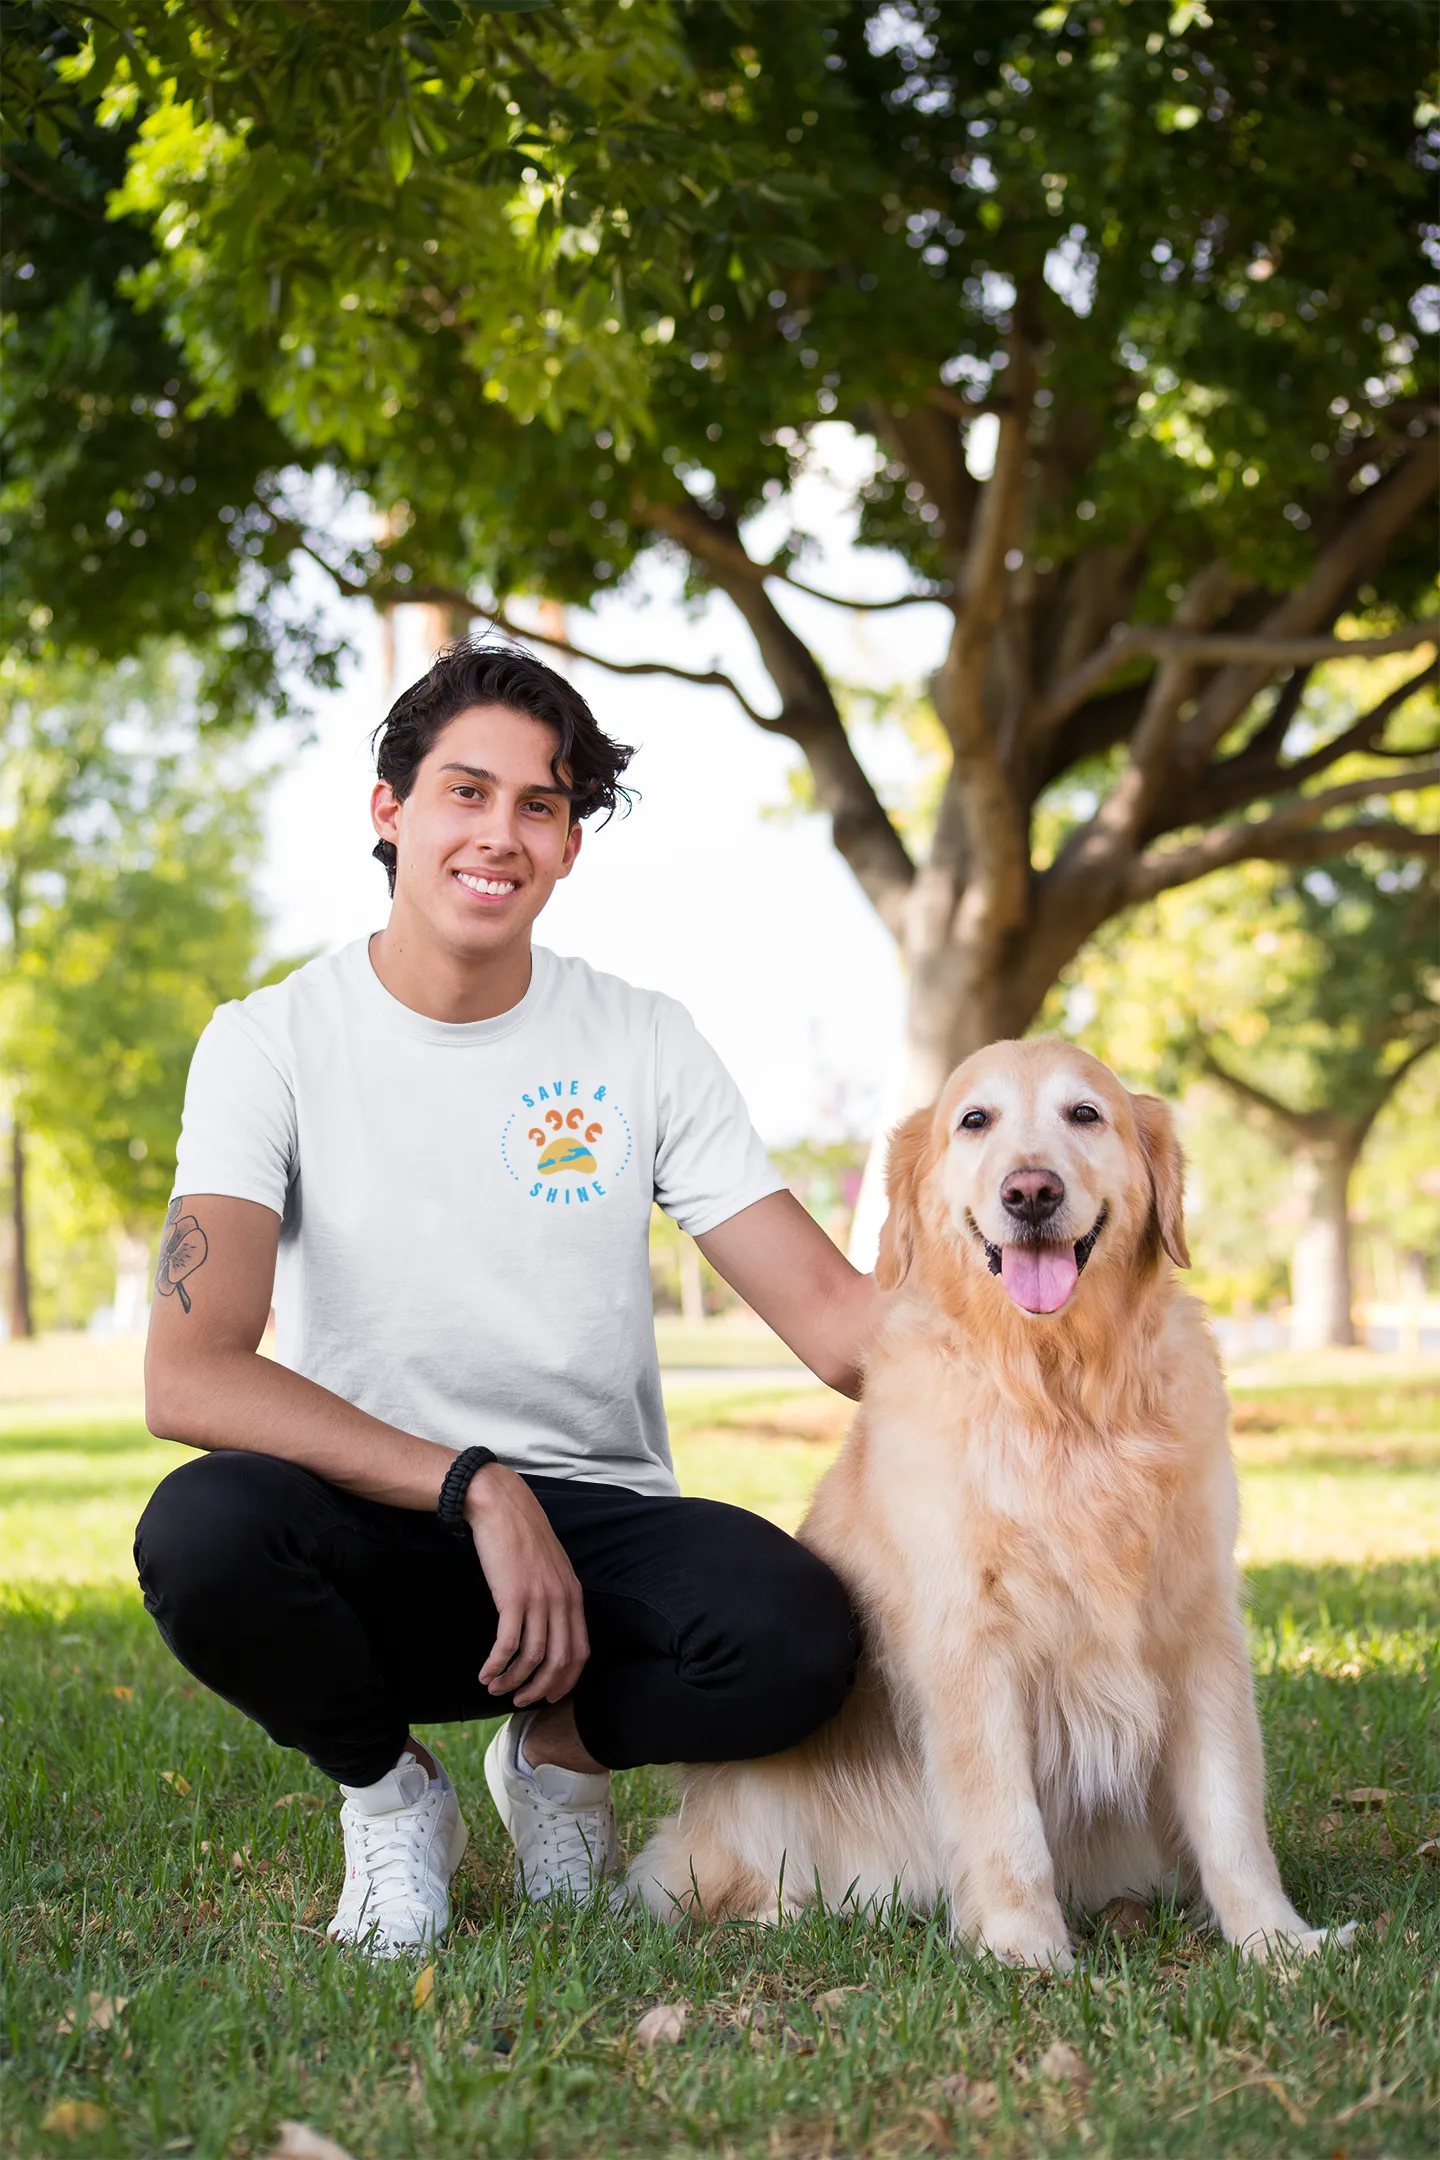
(471, 673)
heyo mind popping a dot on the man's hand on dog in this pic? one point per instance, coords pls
(540, 1644)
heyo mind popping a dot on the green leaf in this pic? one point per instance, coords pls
(799, 254)
(446, 15)
(399, 146)
(382, 13)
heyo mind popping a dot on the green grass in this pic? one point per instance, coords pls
(206, 1907)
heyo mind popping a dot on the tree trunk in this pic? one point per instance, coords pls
(1320, 1289)
(958, 1001)
(21, 1324)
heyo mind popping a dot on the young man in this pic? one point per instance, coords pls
(450, 1494)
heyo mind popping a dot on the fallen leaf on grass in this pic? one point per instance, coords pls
(934, 2131)
(173, 1777)
(834, 1999)
(1064, 2065)
(1430, 1850)
(979, 2097)
(101, 2013)
(307, 1800)
(660, 2026)
(70, 2117)
(123, 1694)
(1123, 1916)
(423, 1995)
(297, 2141)
(1361, 1796)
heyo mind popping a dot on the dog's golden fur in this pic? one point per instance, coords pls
(1035, 1513)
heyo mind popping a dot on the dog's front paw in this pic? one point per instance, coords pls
(1027, 1944)
(1274, 1945)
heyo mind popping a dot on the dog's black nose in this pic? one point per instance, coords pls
(1032, 1196)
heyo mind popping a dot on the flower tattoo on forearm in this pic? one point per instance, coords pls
(183, 1247)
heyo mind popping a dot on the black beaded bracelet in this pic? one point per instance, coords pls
(450, 1507)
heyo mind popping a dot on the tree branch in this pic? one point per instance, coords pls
(733, 554)
(18, 172)
(1131, 644)
(1306, 1127)
(1288, 835)
(1268, 740)
(940, 594)
(997, 853)
(1132, 803)
(1358, 736)
(932, 450)
(808, 713)
(963, 408)
(1390, 1081)
(1247, 776)
(1357, 547)
(706, 679)
(1295, 1125)
(393, 594)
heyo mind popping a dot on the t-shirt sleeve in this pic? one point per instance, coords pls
(709, 1160)
(237, 1135)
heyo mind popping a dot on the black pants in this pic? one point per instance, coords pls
(337, 1623)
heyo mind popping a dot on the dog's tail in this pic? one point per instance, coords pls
(686, 1873)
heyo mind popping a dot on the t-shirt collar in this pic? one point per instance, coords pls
(450, 1034)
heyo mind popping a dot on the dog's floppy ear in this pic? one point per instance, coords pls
(902, 1173)
(1166, 1165)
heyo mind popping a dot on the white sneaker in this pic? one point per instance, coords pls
(404, 1839)
(561, 1822)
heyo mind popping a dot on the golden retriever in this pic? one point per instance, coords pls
(1035, 1512)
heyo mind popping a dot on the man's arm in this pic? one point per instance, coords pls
(207, 1384)
(797, 1279)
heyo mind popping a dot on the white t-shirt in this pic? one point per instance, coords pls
(465, 1209)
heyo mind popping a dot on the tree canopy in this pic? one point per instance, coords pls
(127, 857)
(1127, 298)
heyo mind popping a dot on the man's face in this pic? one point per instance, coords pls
(483, 834)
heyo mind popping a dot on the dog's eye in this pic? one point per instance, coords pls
(974, 1121)
(1084, 1113)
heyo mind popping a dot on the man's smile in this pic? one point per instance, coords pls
(484, 888)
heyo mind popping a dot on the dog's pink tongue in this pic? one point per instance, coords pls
(1039, 1277)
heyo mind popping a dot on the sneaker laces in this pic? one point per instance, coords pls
(390, 1849)
(573, 1838)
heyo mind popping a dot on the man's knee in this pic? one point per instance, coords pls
(209, 1529)
(807, 1642)
(786, 1646)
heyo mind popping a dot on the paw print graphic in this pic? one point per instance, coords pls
(565, 1141)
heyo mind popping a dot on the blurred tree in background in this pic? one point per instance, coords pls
(1124, 296)
(130, 510)
(1356, 1010)
(128, 849)
(1309, 999)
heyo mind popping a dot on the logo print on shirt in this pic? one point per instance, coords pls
(566, 1143)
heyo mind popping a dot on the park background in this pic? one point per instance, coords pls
(986, 454)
